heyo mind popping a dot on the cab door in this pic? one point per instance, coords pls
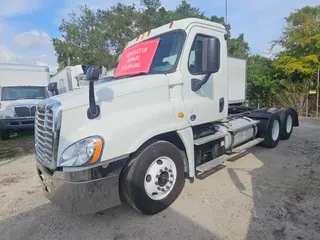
(209, 103)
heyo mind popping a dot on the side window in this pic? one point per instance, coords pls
(195, 57)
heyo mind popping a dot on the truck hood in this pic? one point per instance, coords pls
(8, 105)
(109, 90)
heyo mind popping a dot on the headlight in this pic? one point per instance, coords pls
(84, 152)
(4, 117)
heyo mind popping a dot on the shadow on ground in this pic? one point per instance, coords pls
(119, 223)
(285, 190)
(285, 194)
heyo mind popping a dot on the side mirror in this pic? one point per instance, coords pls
(53, 87)
(93, 73)
(211, 55)
(210, 61)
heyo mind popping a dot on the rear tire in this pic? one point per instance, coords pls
(286, 123)
(272, 137)
(154, 178)
(5, 135)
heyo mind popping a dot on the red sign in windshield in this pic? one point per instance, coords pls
(137, 59)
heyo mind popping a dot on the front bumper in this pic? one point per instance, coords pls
(85, 191)
(17, 124)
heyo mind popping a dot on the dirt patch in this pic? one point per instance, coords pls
(266, 194)
(17, 146)
(9, 180)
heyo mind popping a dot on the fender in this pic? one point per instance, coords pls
(186, 136)
(126, 122)
(295, 116)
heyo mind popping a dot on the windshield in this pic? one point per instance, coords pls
(134, 60)
(167, 53)
(14, 93)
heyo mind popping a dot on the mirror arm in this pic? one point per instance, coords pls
(94, 109)
(205, 79)
(196, 84)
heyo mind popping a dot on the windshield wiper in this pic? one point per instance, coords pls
(131, 75)
(32, 97)
(11, 99)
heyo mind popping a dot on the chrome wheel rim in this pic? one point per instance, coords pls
(160, 178)
(275, 130)
(289, 124)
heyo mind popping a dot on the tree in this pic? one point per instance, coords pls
(261, 83)
(153, 15)
(300, 41)
(238, 47)
(299, 60)
(98, 37)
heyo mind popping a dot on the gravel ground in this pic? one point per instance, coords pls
(266, 194)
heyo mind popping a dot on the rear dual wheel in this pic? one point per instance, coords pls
(154, 178)
(286, 123)
(272, 135)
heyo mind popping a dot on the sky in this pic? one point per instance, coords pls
(27, 26)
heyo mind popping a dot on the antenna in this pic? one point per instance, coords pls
(226, 19)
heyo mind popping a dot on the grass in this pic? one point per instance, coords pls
(18, 145)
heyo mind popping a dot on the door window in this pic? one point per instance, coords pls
(195, 57)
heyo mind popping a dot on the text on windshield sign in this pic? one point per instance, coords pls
(137, 59)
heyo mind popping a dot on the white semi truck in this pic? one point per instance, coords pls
(68, 79)
(165, 117)
(21, 88)
(72, 78)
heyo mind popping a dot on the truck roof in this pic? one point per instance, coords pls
(175, 25)
(20, 67)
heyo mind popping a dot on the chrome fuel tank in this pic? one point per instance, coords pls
(238, 131)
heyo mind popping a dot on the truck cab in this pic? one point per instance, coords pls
(18, 108)
(163, 117)
(21, 89)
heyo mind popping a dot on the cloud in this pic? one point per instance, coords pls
(34, 40)
(8, 56)
(32, 47)
(47, 60)
(11, 8)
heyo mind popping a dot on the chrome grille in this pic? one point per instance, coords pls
(47, 126)
(33, 110)
(25, 111)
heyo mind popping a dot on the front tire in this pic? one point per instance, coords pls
(5, 135)
(154, 178)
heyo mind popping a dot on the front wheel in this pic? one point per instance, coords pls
(154, 178)
(5, 135)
